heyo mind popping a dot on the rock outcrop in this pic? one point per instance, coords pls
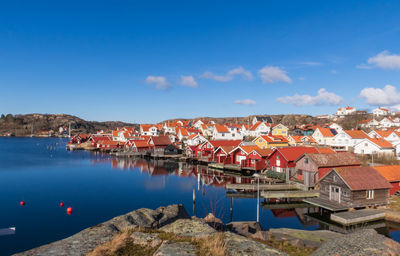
(86, 240)
(363, 242)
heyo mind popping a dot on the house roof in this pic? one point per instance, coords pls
(247, 149)
(192, 136)
(332, 160)
(383, 133)
(255, 126)
(161, 140)
(326, 150)
(292, 153)
(217, 143)
(327, 132)
(390, 172)
(263, 152)
(183, 131)
(140, 143)
(362, 178)
(356, 134)
(274, 139)
(381, 142)
(221, 128)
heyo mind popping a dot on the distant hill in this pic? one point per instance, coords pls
(21, 125)
(289, 120)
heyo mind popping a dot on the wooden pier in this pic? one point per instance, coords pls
(290, 194)
(281, 186)
(358, 216)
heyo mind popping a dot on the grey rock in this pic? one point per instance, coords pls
(214, 222)
(146, 239)
(362, 242)
(189, 228)
(78, 244)
(86, 240)
(300, 238)
(244, 228)
(239, 245)
(176, 249)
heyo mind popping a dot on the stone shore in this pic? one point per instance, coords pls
(170, 231)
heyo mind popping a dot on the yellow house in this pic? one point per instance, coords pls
(268, 141)
(280, 129)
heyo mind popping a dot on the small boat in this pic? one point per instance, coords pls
(7, 231)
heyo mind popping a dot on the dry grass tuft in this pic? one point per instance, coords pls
(212, 245)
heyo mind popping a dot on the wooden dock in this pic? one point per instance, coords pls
(262, 186)
(290, 194)
(284, 205)
(325, 204)
(358, 216)
(225, 166)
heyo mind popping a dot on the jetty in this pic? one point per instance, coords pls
(358, 216)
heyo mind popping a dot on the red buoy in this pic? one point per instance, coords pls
(61, 204)
(69, 210)
(22, 203)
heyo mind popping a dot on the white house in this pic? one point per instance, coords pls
(370, 146)
(369, 123)
(381, 112)
(345, 111)
(259, 128)
(324, 136)
(348, 138)
(262, 119)
(394, 137)
(387, 123)
(222, 132)
(195, 139)
(148, 129)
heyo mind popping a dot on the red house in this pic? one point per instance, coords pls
(391, 174)
(222, 154)
(282, 159)
(159, 142)
(257, 159)
(208, 148)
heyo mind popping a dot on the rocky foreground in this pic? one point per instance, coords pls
(170, 231)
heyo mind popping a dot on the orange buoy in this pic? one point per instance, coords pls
(69, 210)
(61, 204)
(22, 203)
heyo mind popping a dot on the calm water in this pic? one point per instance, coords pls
(98, 187)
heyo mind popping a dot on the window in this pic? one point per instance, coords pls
(300, 172)
(260, 140)
(334, 178)
(223, 135)
(278, 157)
(366, 144)
(306, 161)
(370, 194)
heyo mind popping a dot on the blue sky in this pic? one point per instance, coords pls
(124, 60)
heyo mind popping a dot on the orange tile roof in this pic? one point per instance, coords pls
(263, 152)
(140, 143)
(274, 139)
(221, 128)
(217, 143)
(390, 172)
(381, 142)
(326, 132)
(326, 151)
(249, 149)
(292, 153)
(383, 133)
(192, 136)
(362, 178)
(114, 133)
(356, 134)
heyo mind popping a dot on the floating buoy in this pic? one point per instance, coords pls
(22, 203)
(69, 210)
(61, 204)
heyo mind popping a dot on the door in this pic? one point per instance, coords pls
(335, 194)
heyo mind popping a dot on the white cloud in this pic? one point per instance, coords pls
(246, 102)
(322, 98)
(160, 82)
(270, 74)
(188, 81)
(230, 75)
(388, 96)
(384, 60)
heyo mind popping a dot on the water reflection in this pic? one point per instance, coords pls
(285, 209)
